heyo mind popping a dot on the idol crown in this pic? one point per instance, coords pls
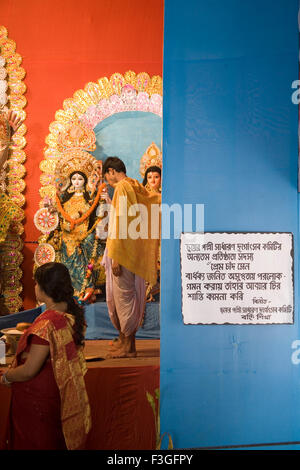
(152, 157)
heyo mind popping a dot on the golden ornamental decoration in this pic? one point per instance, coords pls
(75, 136)
(72, 161)
(71, 135)
(12, 89)
(97, 101)
(152, 157)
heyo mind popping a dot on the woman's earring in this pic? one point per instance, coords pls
(71, 189)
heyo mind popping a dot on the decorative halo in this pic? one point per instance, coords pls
(152, 157)
(44, 253)
(72, 161)
(76, 136)
(45, 221)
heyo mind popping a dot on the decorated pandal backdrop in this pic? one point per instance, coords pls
(111, 107)
(117, 116)
(88, 83)
(230, 143)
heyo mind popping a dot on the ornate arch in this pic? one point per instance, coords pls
(93, 104)
(12, 89)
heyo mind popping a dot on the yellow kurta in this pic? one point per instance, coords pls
(138, 255)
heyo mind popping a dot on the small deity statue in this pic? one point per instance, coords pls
(150, 170)
(152, 179)
(79, 193)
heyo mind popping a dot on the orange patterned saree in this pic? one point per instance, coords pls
(69, 368)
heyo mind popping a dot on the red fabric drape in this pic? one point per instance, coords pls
(122, 418)
(65, 45)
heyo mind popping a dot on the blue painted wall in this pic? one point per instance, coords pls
(229, 142)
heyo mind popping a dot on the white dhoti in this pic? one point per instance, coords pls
(125, 297)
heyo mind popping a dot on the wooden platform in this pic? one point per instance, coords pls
(147, 354)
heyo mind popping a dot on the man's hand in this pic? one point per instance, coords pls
(105, 197)
(116, 268)
(14, 121)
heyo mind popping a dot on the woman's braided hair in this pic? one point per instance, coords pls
(54, 279)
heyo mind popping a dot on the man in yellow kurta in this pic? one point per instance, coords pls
(131, 253)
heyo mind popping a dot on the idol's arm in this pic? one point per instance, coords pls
(3, 156)
(15, 122)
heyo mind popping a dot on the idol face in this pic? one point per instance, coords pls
(154, 179)
(77, 181)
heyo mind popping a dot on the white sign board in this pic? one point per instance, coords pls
(237, 278)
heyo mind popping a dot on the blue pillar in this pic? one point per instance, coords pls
(229, 142)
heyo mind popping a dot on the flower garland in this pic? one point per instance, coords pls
(89, 270)
(81, 219)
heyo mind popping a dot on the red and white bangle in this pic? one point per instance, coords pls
(4, 380)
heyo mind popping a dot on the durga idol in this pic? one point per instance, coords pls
(78, 198)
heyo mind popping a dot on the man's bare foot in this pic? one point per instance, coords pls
(116, 343)
(124, 347)
(120, 353)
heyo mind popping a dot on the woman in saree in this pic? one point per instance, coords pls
(49, 407)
